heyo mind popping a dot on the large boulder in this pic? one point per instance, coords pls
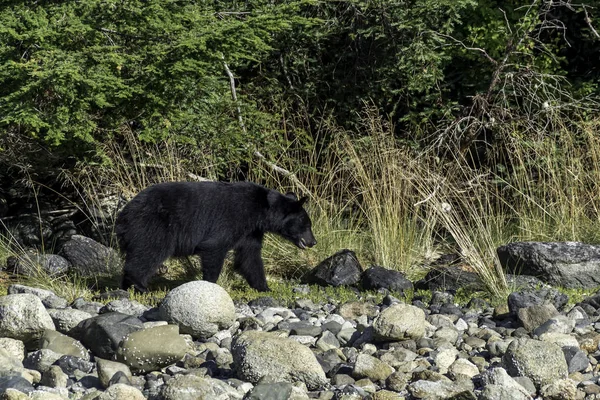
(261, 354)
(342, 268)
(400, 322)
(89, 258)
(200, 308)
(542, 362)
(377, 277)
(23, 317)
(565, 264)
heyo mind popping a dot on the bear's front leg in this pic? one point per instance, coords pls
(212, 264)
(249, 264)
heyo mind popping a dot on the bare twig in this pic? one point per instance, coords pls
(479, 49)
(588, 21)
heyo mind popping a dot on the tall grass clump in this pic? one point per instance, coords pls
(385, 178)
(465, 204)
(553, 185)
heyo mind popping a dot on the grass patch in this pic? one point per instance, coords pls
(283, 291)
(578, 295)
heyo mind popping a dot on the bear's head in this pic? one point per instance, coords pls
(292, 220)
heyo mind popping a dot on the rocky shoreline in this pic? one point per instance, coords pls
(199, 344)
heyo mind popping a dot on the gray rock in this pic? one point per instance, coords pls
(565, 264)
(32, 263)
(563, 389)
(300, 328)
(200, 308)
(107, 369)
(41, 360)
(527, 384)
(259, 354)
(9, 366)
(367, 366)
(576, 359)
(464, 367)
(354, 309)
(557, 324)
(444, 358)
(54, 377)
(125, 306)
(434, 390)
(330, 359)
(592, 301)
(49, 298)
(497, 392)
(103, 334)
(377, 277)
(270, 391)
(498, 347)
(327, 341)
(342, 268)
(191, 387)
(16, 383)
(63, 344)
(23, 317)
(122, 391)
(560, 339)
(91, 307)
(498, 377)
(450, 278)
(90, 258)
(398, 356)
(71, 365)
(399, 322)
(542, 362)
(66, 319)
(449, 334)
(153, 348)
(531, 297)
(14, 348)
(533, 316)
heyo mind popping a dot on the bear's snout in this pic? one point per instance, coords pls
(306, 242)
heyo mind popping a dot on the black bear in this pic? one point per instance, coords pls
(208, 219)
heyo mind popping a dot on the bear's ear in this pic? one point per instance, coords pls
(292, 196)
(302, 201)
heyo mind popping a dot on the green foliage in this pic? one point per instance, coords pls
(73, 74)
(387, 52)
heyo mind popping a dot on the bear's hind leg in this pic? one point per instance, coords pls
(248, 262)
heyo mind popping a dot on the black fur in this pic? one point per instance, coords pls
(207, 219)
